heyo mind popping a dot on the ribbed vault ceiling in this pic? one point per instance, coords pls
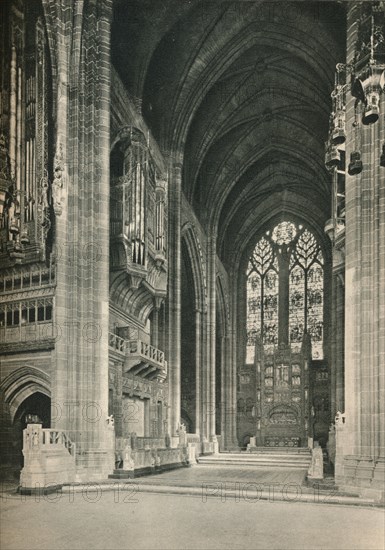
(241, 92)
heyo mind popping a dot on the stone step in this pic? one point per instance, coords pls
(276, 451)
(260, 463)
(266, 460)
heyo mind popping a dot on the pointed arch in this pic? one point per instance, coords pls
(22, 383)
(222, 302)
(195, 257)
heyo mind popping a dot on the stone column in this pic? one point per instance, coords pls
(337, 402)
(174, 301)
(80, 192)
(211, 329)
(226, 391)
(333, 344)
(352, 268)
(235, 353)
(339, 348)
(204, 394)
(364, 295)
(232, 405)
(198, 362)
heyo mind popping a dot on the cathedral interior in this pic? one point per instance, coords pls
(192, 200)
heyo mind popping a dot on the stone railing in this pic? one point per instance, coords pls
(35, 437)
(146, 455)
(150, 352)
(150, 442)
(141, 357)
(55, 437)
(117, 343)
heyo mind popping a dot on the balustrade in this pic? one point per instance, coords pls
(46, 437)
(138, 352)
(116, 342)
(151, 442)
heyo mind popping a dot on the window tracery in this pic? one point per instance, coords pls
(288, 256)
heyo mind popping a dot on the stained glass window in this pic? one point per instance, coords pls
(296, 304)
(253, 314)
(270, 308)
(262, 299)
(302, 274)
(315, 308)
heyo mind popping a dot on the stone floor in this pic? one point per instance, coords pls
(193, 508)
(222, 473)
(136, 520)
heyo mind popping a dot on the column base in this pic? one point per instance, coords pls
(192, 455)
(214, 441)
(364, 475)
(94, 465)
(207, 447)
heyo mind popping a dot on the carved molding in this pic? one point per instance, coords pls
(28, 346)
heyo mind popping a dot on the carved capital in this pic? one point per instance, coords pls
(158, 302)
(135, 280)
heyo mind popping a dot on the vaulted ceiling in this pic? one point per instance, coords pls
(241, 92)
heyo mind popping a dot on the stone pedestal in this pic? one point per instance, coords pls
(379, 473)
(348, 470)
(191, 451)
(49, 460)
(207, 447)
(316, 467)
(364, 472)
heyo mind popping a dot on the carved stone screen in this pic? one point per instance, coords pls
(283, 411)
